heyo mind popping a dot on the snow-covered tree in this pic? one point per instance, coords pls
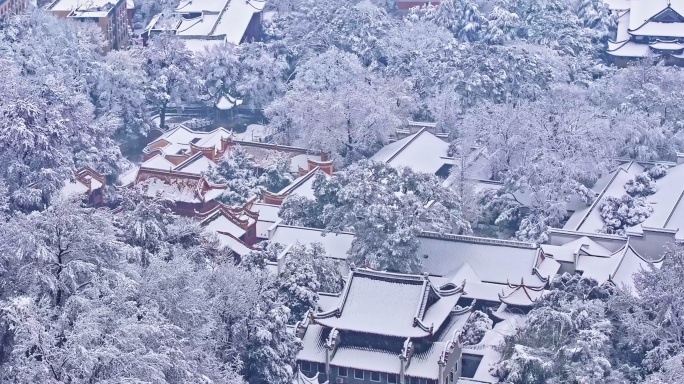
(461, 17)
(47, 119)
(545, 151)
(643, 103)
(567, 337)
(277, 175)
(621, 213)
(475, 328)
(336, 105)
(307, 271)
(312, 27)
(657, 171)
(120, 92)
(642, 185)
(172, 71)
(653, 324)
(238, 171)
(252, 325)
(386, 208)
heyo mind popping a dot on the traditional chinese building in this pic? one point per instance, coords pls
(303, 185)
(11, 7)
(648, 28)
(204, 23)
(235, 227)
(664, 225)
(385, 327)
(193, 151)
(110, 15)
(87, 183)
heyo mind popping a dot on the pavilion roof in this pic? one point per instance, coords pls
(390, 304)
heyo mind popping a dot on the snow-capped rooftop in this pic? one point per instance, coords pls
(422, 152)
(447, 254)
(659, 20)
(336, 244)
(619, 268)
(389, 304)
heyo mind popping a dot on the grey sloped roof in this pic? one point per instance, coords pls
(492, 260)
(389, 304)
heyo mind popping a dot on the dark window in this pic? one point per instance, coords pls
(306, 366)
(414, 380)
(469, 364)
(451, 376)
(358, 374)
(321, 368)
(444, 171)
(342, 371)
(375, 376)
(423, 381)
(391, 379)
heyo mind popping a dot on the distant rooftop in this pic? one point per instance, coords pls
(94, 8)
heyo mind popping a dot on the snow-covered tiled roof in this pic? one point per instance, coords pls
(201, 45)
(521, 295)
(668, 210)
(201, 25)
(223, 223)
(667, 201)
(71, 5)
(73, 188)
(390, 304)
(327, 301)
(197, 165)
(422, 152)
(235, 19)
(303, 185)
(447, 254)
(198, 6)
(234, 244)
(424, 363)
(367, 359)
(313, 348)
(158, 162)
(560, 252)
(656, 19)
(630, 49)
(268, 216)
(178, 192)
(589, 218)
(644, 10)
(619, 268)
(336, 244)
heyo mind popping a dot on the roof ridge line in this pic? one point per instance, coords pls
(603, 192)
(669, 217)
(415, 136)
(627, 247)
(477, 239)
(303, 179)
(187, 161)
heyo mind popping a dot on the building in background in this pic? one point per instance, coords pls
(203, 23)
(11, 7)
(648, 28)
(405, 5)
(110, 15)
